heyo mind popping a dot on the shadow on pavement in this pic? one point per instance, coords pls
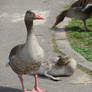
(7, 89)
(56, 29)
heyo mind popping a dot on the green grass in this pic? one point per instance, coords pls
(80, 40)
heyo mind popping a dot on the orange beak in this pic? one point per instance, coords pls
(39, 17)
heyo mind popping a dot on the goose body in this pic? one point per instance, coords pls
(65, 66)
(78, 13)
(27, 57)
(81, 3)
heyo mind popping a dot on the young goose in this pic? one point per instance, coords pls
(61, 66)
(27, 57)
(75, 11)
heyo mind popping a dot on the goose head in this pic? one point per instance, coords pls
(29, 17)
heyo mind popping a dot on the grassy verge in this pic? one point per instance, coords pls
(55, 47)
(80, 40)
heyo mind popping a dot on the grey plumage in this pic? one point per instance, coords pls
(63, 66)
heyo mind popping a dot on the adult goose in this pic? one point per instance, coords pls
(76, 11)
(27, 57)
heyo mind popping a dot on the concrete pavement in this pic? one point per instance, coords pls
(12, 32)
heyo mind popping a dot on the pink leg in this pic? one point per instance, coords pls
(21, 80)
(36, 88)
(85, 26)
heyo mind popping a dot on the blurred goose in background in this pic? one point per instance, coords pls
(27, 57)
(81, 9)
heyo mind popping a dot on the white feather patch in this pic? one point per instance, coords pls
(11, 58)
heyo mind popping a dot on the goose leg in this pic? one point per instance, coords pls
(21, 80)
(36, 88)
(85, 26)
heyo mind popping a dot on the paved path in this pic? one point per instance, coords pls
(12, 32)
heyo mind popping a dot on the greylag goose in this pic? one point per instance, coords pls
(27, 57)
(76, 11)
